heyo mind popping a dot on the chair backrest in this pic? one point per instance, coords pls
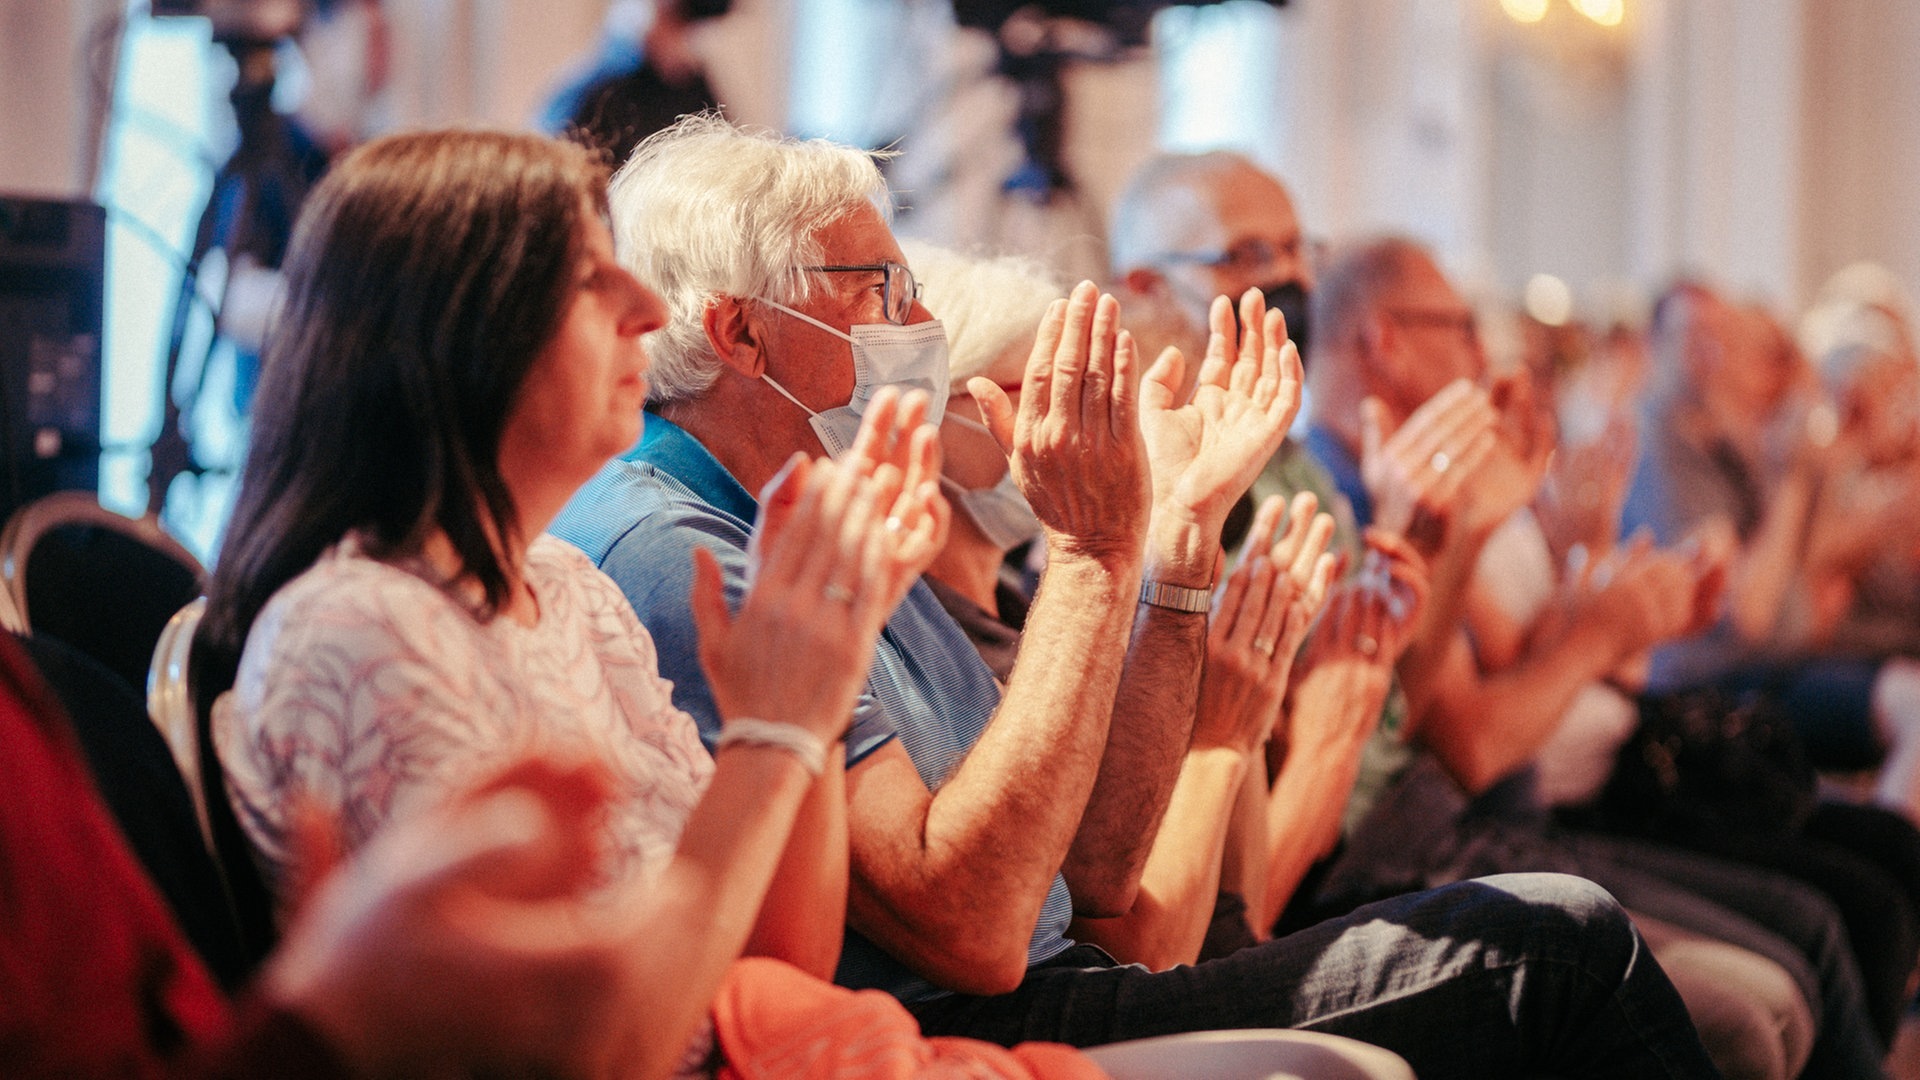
(170, 705)
(135, 773)
(103, 582)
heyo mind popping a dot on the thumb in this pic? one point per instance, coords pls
(712, 622)
(1160, 389)
(996, 411)
(1373, 428)
(316, 847)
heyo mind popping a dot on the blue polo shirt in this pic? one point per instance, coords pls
(639, 520)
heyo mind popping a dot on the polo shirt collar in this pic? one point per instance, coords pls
(667, 446)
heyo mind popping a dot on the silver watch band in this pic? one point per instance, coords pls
(1176, 597)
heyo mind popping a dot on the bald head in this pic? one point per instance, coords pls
(1391, 326)
(1189, 227)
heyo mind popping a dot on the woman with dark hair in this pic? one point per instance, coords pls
(459, 351)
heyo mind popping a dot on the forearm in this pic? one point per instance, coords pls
(803, 918)
(953, 882)
(1169, 918)
(1308, 799)
(1767, 570)
(697, 918)
(1483, 726)
(1423, 667)
(1243, 856)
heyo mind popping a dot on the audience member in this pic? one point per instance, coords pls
(645, 72)
(965, 839)
(393, 622)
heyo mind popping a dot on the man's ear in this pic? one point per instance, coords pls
(733, 336)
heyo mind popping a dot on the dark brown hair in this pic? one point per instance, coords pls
(426, 273)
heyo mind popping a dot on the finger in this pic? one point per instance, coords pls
(1246, 367)
(1292, 377)
(1160, 390)
(712, 619)
(1096, 385)
(777, 497)
(1250, 625)
(1374, 425)
(874, 441)
(1124, 409)
(1227, 601)
(1273, 621)
(996, 410)
(785, 556)
(1313, 546)
(1318, 582)
(1222, 343)
(1037, 384)
(316, 847)
(1266, 521)
(1299, 517)
(1071, 355)
(837, 493)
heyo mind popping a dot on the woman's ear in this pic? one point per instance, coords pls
(733, 336)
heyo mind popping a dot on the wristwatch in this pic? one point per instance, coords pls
(1176, 597)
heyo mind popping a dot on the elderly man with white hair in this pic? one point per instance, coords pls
(980, 821)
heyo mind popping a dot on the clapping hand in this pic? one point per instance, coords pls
(1260, 616)
(1207, 450)
(1074, 446)
(837, 545)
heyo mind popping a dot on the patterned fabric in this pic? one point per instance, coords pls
(364, 687)
(640, 519)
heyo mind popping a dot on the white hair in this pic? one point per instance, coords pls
(706, 209)
(988, 305)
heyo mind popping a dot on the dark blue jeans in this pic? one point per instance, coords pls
(1516, 975)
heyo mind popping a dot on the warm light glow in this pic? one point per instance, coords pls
(1526, 11)
(1604, 12)
(1549, 300)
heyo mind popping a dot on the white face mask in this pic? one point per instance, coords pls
(1001, 512)
(908, 357)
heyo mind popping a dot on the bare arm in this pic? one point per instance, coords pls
(1261, 614)
(952, 882)
(1205, 453)
(1333, 710)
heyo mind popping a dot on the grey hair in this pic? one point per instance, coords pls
(1159, 202)
(987, 304)
(706, 209)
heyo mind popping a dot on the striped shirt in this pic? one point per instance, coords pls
(639, 519)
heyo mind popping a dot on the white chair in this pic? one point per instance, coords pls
(1249, 1055)
(171, 705)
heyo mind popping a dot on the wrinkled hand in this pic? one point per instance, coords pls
(1206, 451)
(1260, 616)
(458, 940)
(847, 539)
(1075, 447)
(1414, 474)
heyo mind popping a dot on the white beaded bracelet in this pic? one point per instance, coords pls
(809, 749)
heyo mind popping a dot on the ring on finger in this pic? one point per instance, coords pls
(1367, 645)
(1440, 461)
(1263, 645)
(838, 593)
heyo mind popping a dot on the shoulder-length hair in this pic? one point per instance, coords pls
(426, 273)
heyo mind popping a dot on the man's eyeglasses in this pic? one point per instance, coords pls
(898, 289)
(1245, 255)
(1462, 323)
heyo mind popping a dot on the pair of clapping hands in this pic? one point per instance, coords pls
(1286, 580)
